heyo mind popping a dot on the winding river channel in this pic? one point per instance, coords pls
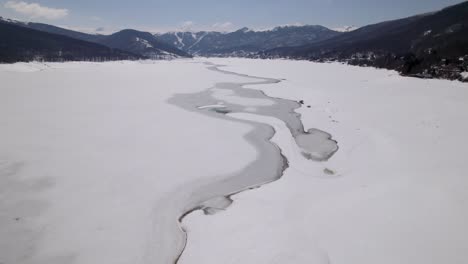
(234, 102)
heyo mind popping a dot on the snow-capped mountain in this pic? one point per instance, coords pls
(142, 43)
(184, 40)
(245, 41)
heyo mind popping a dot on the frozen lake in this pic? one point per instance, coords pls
(99, 163)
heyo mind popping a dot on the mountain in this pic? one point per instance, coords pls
(19, 43)
(245, 41)
(141, 43)
(427, 45)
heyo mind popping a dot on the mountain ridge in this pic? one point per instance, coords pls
(141, 43)
(19, 43)
(428, 45)
(245, 41)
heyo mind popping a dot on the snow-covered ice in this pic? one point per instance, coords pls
(91, 154)
(395, 192)
(88, 151)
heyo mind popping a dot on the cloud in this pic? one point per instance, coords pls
(192, 26)
(187, 25)
(222, 26)
(92, 30)
(34, 10)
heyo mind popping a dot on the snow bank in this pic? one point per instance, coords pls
(464, 75)
(23, 67)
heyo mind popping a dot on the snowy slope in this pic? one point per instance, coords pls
(145, 43)
(184, 40)
(345, 28)
(11, 21)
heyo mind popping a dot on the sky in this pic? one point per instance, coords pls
(108, 16)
